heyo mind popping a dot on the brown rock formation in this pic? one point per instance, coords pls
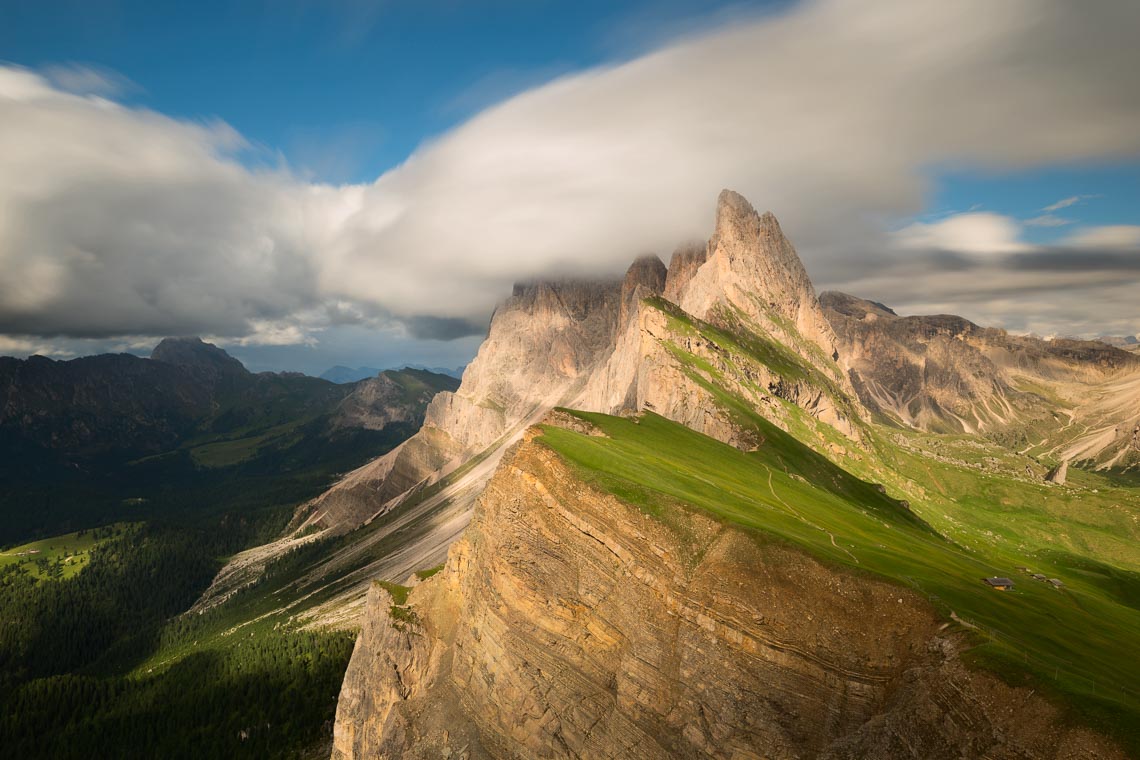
(569, 624)
(687, 259)
(752, 268)
(592, 345)
(644, 278)
(542, 344)
(946, 374)
(1059, 473)
(750, 281)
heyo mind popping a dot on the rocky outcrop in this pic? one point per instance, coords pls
(393, 396)
(543, 342)
(925, 372)
(645, 278)
(595, 346)
(944, 373)
(643, 373)
(752, 269)
(683, 266)
(569, 624)
(749, 281)
(1058, 474)
(548, 337)
(665, 363)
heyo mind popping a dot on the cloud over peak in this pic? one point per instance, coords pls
(121, 221)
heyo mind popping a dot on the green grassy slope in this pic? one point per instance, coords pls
(60, 557)
(1078, 643)
(971, 510)
(102, 663)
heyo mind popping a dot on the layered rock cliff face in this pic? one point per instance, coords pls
(599, 346)
(542, 344)
(752, 269)
(569, 624)
(945, 373)
(924, 371)
(747, 281)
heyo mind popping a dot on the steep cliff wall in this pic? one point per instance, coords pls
(542, 343)
(669, 363)
(594, 346)
(570, 624)
(752, 270)
(947, 374)
(750, 283)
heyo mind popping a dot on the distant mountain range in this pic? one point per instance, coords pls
(1127, 342)
(190, 406)
(341, 374)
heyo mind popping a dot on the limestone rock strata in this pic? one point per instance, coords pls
(542, 343)
(683, 265)
(753, 270)
(946, 374)
(593, 345)
(644, 278)
(645, 372)
(568, 624)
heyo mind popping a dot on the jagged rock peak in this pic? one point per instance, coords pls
(647, 270)
(742, 232)
(753, 269)
(576, 298)
(732, 202)
(644, 278)
(195, 353)
(687, 259)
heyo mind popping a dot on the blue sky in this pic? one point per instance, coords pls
(343, 89)
(1108, 195)
(1015, 150)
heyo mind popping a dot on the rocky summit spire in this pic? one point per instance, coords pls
(753, 269)
(644, 278)
(687, 259)
(590, 344)
(194, 354)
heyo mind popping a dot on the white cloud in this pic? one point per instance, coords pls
(1063, 203)
(117, 220)
(13, 345)
(269, 333)
(1126, 236)
(1048, 220)
(85, 79)
(978, 232)
(122, 221)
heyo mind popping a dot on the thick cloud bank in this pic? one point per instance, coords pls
(120, 221)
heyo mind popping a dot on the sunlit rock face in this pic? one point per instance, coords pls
(542, 343)
(569, 624)
(944, 373)
(596, 345)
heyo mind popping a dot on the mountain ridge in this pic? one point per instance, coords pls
(944, 373)
(100, 417)
(533, 638)
(641, 635)
(580, 343)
